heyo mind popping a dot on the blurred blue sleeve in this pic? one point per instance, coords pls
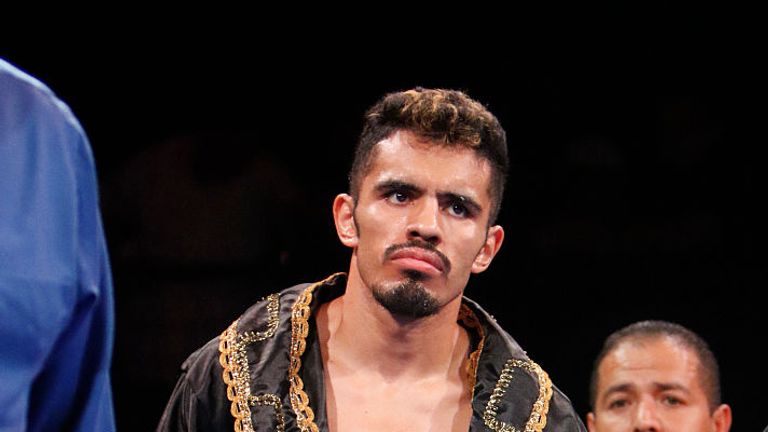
(56, 311)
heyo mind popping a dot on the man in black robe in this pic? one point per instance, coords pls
(393, 344)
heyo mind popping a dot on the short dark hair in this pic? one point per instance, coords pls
(445, 117)
(708, 370)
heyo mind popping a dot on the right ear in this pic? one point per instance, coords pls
(591, 421)
(344, 217)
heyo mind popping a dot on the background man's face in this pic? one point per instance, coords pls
(421, 216)
(650, 384)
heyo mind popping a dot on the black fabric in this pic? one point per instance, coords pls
(199, 401)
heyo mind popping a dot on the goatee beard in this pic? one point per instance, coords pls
(408, 299)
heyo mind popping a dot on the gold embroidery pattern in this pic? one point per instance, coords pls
(234, 360)
(538, 417)
(300, 314)
(470, 321)
(273, 320)
(274, 401)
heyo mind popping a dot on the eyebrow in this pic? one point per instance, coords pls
(671, 386)
(391, 185)
(663, 386)
(618, 388)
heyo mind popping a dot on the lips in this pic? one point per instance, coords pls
(419, 259)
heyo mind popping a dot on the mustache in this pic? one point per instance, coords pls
(421, 245)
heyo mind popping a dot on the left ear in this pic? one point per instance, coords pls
(722, 418)
(492, 244)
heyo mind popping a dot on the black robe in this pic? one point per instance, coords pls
(265, 373)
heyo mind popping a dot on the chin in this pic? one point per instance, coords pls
(409, 298)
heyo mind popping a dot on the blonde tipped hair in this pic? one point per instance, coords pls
(442, 117)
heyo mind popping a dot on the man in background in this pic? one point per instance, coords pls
(56, 312)
(656, 376)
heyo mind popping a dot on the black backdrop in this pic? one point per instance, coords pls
(633, 194)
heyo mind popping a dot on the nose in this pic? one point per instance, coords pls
(646, 417)
(424, 221)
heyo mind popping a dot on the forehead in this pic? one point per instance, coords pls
(405, 156)
(645, 362)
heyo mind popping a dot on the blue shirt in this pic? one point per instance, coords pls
(56, 311)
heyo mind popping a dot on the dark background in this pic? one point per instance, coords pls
(633, 194)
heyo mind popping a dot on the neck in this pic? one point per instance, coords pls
(357, 332)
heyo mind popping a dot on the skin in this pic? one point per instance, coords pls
(386, 372)
(653, 384)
